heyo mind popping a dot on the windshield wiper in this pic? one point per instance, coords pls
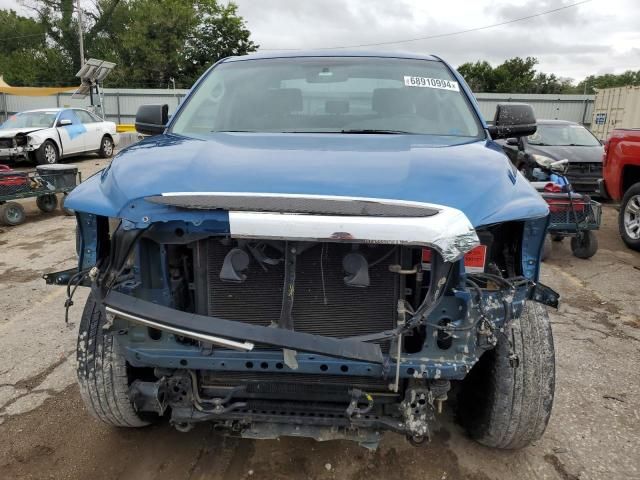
(374, 130)
(233, 131)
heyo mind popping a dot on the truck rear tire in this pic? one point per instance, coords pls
(629, 217)
(507, 403)
(103, 372)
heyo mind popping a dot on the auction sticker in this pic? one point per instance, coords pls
(426, 82)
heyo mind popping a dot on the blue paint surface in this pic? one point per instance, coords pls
(476, 178)
(76, 128)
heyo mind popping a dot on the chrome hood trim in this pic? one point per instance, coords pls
(446, 229)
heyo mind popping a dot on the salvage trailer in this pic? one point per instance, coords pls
(320, 315)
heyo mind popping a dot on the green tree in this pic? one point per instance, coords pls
(18, 33)
(515, 75)
(607, 80)
(151, 41)
(25, 56)
(60, 21)
(478, 75)
(160, 40)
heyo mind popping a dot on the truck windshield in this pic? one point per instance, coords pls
(350, 95)
(563, 135)
(30, 119)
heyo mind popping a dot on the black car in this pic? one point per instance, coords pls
(559, 139)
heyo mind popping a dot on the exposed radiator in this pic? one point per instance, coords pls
(323, 304)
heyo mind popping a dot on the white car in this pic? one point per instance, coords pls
(49, 134)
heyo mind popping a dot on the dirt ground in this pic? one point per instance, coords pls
(45, 431)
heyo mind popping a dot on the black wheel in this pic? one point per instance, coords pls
(546, 248)
(629, 217)
(506, 403)
(12, 213)
(103, 373)
(47, 154)
(47, 203)
(584, 245)
(557, 238)
(106, 147)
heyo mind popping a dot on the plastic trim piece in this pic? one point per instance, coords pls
(222, 342)
(165, 318)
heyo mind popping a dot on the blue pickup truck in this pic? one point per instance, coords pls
(319, 245)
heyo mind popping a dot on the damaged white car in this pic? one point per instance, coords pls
(45, 136)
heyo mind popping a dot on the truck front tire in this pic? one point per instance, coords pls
(629, 217)
(103, 372)
(506, 400)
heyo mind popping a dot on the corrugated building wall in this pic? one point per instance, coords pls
(121, 104)
(575, 108)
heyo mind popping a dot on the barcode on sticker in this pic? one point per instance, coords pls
(474, 260)
(426, 82)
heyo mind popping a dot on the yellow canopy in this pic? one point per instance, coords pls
(32, 91)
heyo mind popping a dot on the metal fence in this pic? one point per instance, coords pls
(575, 108)
(120, 105)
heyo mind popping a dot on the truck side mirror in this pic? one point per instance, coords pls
(152, 119)
(513, 120)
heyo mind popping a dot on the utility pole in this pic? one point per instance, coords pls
(80, 32)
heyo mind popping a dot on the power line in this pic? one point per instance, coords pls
(23, 36)
(441, 35)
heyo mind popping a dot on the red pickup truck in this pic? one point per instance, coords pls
(621, 182)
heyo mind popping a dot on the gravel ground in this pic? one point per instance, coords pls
(45, 431)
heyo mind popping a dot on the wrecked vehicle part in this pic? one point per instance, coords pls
(328, 284)
(459, 315)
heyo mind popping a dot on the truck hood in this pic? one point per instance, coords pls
(12, 132)
(573, 154)
(476, 178)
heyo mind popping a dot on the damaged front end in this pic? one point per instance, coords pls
(15, 146)
(325, 317)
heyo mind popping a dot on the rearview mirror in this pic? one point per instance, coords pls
(152, 119)
(513, 120)
(64, 122)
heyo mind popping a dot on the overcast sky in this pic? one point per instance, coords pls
(600, 36)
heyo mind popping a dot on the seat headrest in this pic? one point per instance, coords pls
(336, 106)
(391, 101)
(282, 100)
